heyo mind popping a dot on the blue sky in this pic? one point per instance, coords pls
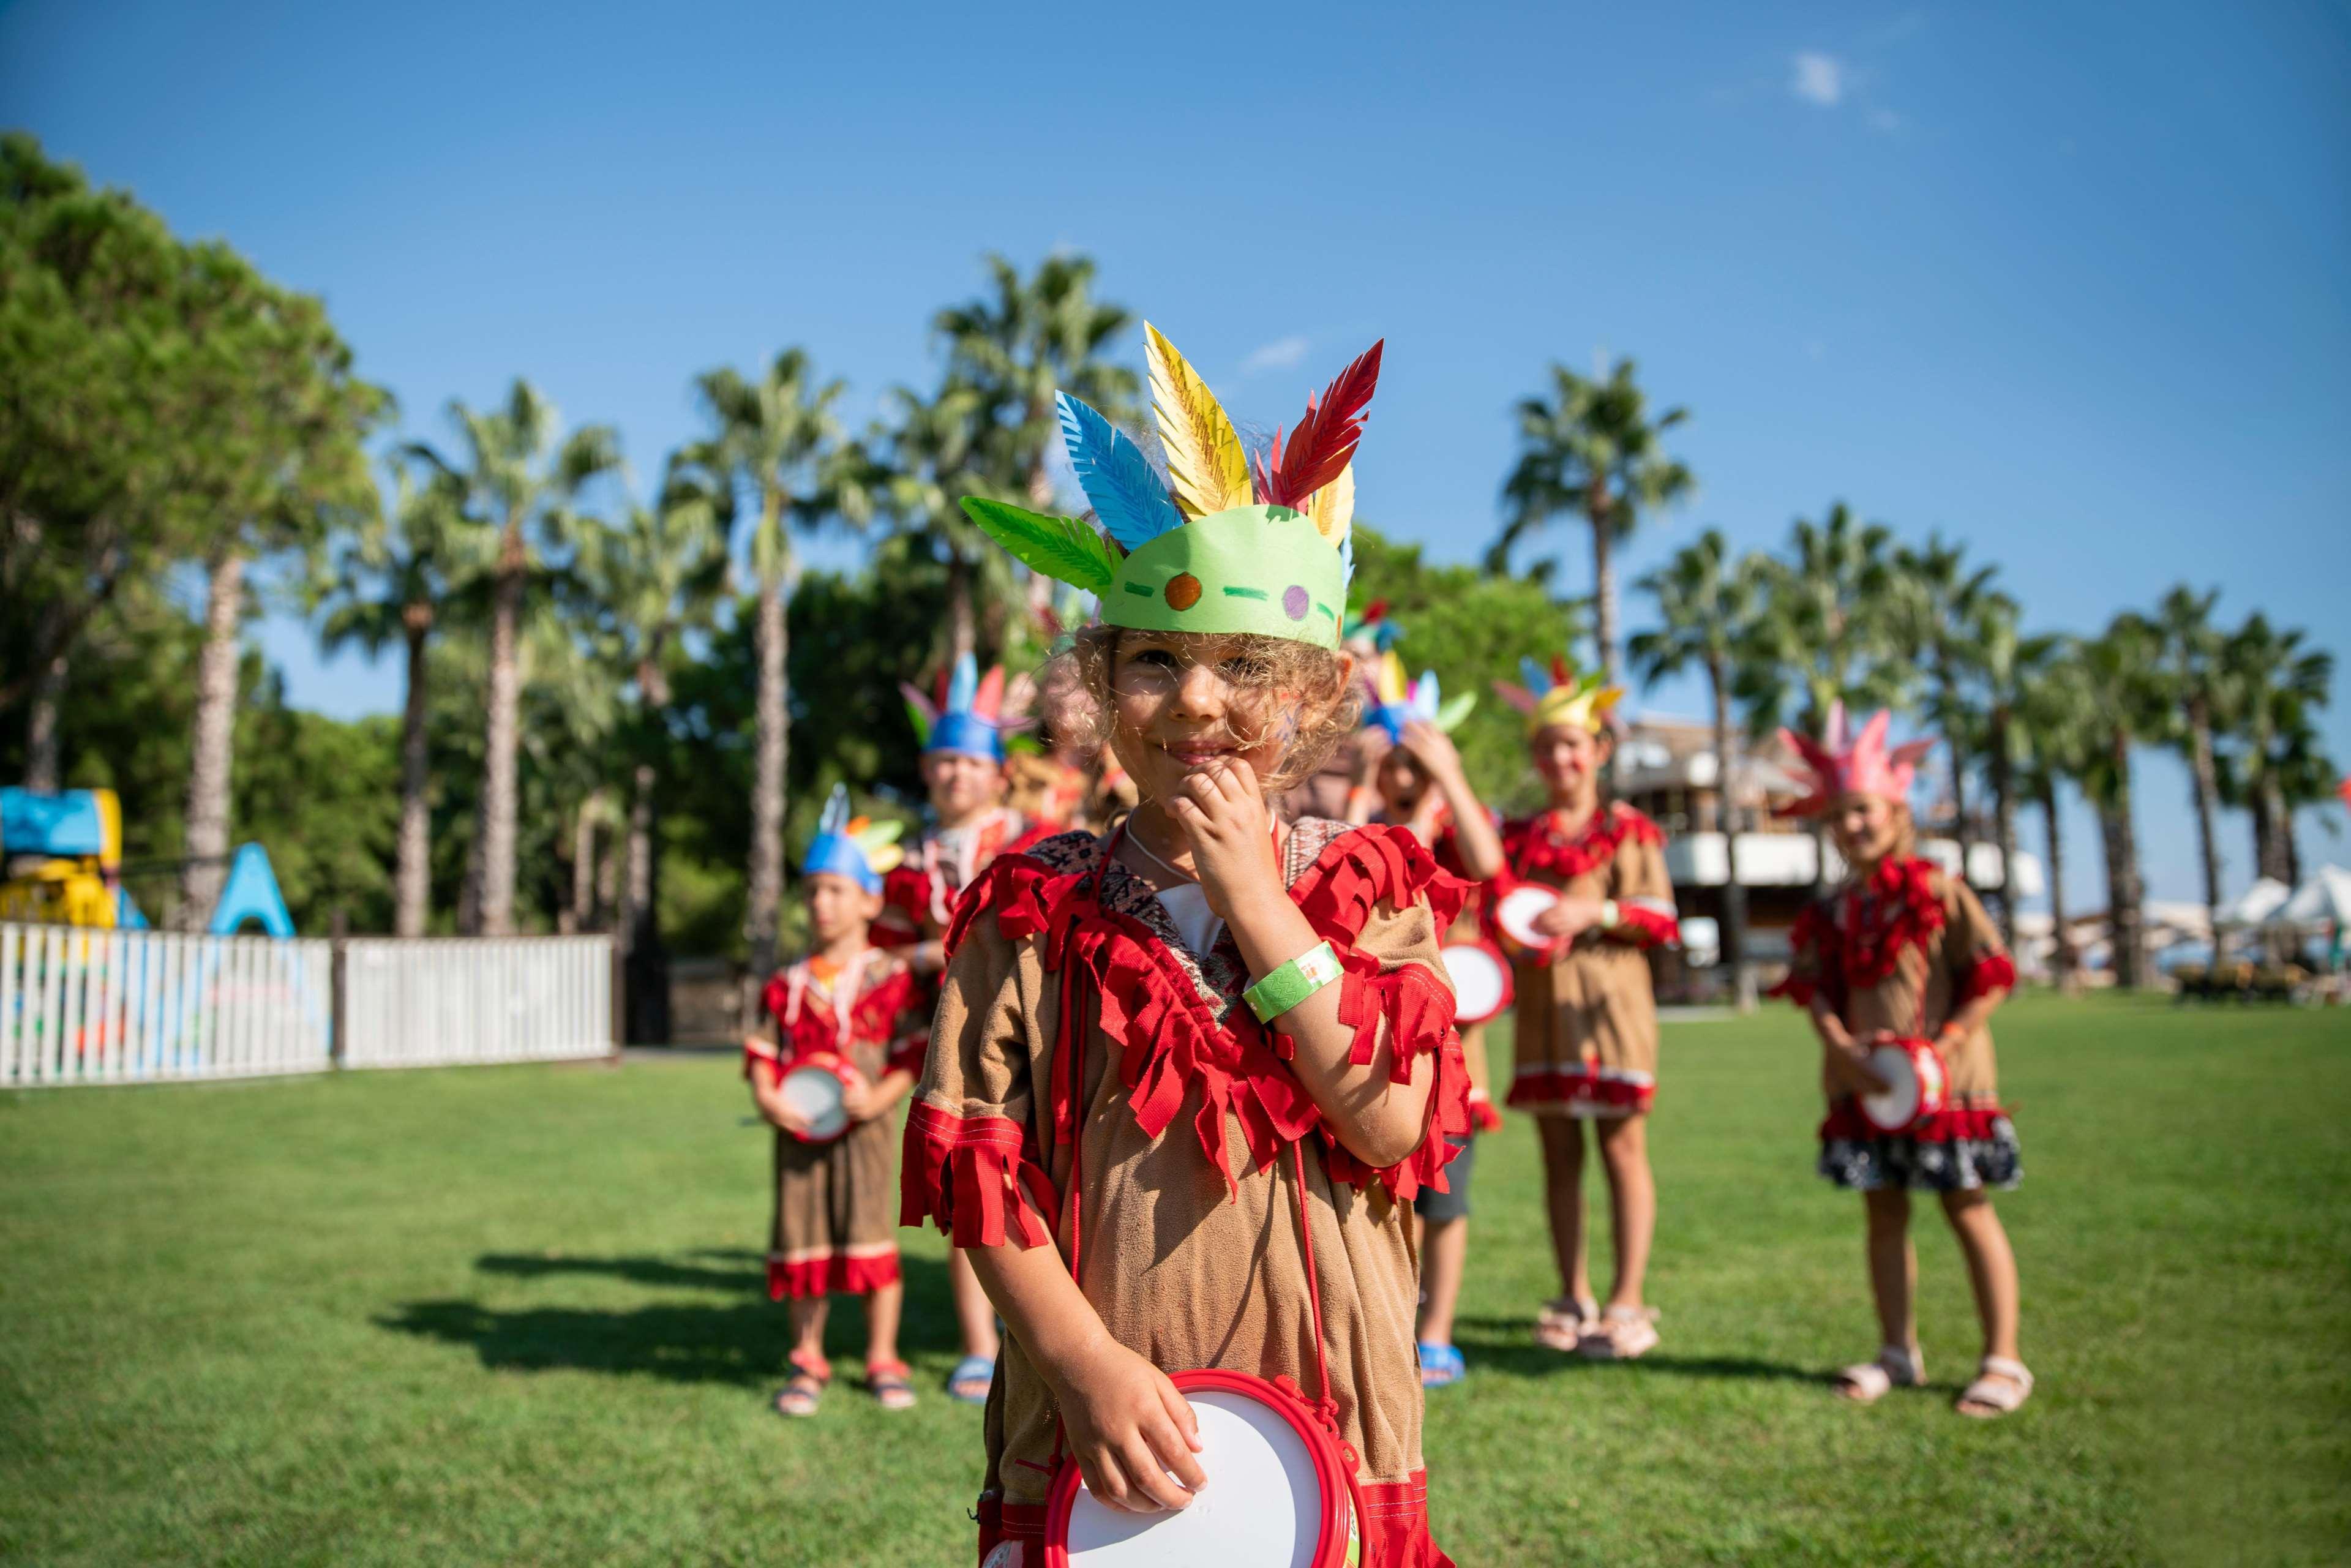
(2073, 288)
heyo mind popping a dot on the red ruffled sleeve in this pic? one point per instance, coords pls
(906, 904)
(1812, 958)
(973, 1176)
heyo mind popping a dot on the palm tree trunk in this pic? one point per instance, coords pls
(412, 877)
(41, 770)
(2125, 893)
(2003, 796)
(2064, 959)
(495, 909)
(1603, 592)
(1734, 894)
(582, 913)
(963, 622)
(1961, 828)
(647, 969)
(2207, 789)
(2274, 830)
(211, 759)
(763, 897)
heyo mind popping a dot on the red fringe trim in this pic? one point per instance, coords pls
(1639, 928)
(1957, 1125)
(1572, 1085)
(1395, 1526)
(833, 1276)
(1529, 846)
(1992, 973)
(1170, 1040)
(1905, 889)
(878, 1015)
(974, 1177)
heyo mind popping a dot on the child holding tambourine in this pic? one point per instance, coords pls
(1903, 955)
(847, 1023)
(1188, 1076)
(1587, 1010)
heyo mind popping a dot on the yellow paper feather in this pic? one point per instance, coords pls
(1333, 507)
(1206, 467)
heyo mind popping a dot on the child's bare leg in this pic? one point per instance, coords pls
(1562, 1148)
(975, 1314)
(1893, 1266)
(1444, 1257)
(882, 1310)
(1632, 1202)
(808, 1316)
(1992, 1266)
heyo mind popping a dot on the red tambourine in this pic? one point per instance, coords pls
(1515, 914)
(1917, 1086)
(1284, 1495)
(1481, 980)
(817, 1086)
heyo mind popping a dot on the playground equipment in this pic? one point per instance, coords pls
(62, 856)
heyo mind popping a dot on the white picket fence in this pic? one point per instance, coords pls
(140, 1007)
(80, 1006)
(438, 1003)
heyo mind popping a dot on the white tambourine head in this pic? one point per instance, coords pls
(1477, 982)
(1898, 1106)
(816, 1095)
(1517, 913)
(1261, 1507)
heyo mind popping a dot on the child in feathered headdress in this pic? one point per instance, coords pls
(1587, 1010)
(1188, 1076)
(1904, 951)
(962, 729)
(1410, 776)
(851, 1004)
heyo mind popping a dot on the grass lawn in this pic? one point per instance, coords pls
(516, 1315)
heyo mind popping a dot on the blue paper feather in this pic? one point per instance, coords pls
(1538, 679)
(1125, 493)
(962, 685)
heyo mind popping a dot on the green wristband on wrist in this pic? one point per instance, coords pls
(1292, 983)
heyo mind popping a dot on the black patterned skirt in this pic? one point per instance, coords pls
(1958, 1150)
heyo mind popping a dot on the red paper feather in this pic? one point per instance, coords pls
(1325, 440)
(989, 703)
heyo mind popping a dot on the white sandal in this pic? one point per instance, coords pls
(2001, 1385)
(1896, 1367)
(1561, 1323)
(1623, 1333)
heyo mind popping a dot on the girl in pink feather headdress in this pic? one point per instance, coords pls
(1903, 955)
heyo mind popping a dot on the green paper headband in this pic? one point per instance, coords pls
(1223, 546)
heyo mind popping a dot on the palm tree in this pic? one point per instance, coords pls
(2119, 673)
(2273, 685)
(1931, 618)
(1018, 347)
(932, 459)
(520, 478)
(2050, 732)
(778, 441)
(1820, 633)
(390, 585)
(2191, 657)
(1705, 605)
(2009, 664)
(657, 576)
(1593, 449)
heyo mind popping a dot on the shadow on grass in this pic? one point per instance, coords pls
(741, 1343)
(640, 1271)
(1506, 1344)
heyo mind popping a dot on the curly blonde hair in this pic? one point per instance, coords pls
(1280, 683)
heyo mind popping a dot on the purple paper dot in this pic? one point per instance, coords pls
(1295, 602)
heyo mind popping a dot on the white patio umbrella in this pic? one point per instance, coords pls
(2326, 896)
(2255, 905)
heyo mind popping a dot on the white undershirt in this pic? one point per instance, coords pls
(1196, 922)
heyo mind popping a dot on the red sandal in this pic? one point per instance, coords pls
(888, 1382)
(799, 1397)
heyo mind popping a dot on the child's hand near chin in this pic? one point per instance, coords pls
(1132, 1434)
(1223, 812)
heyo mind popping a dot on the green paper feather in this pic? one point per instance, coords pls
(1061, 548)
(1455, 710)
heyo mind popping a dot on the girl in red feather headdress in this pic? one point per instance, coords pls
(1903, 952)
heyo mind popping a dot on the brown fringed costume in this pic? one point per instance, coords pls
(1093, 1085)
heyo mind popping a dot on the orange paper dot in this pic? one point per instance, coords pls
(1182, 591)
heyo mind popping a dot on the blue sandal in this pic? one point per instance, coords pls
(972, 1371)
(1441, 1366)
